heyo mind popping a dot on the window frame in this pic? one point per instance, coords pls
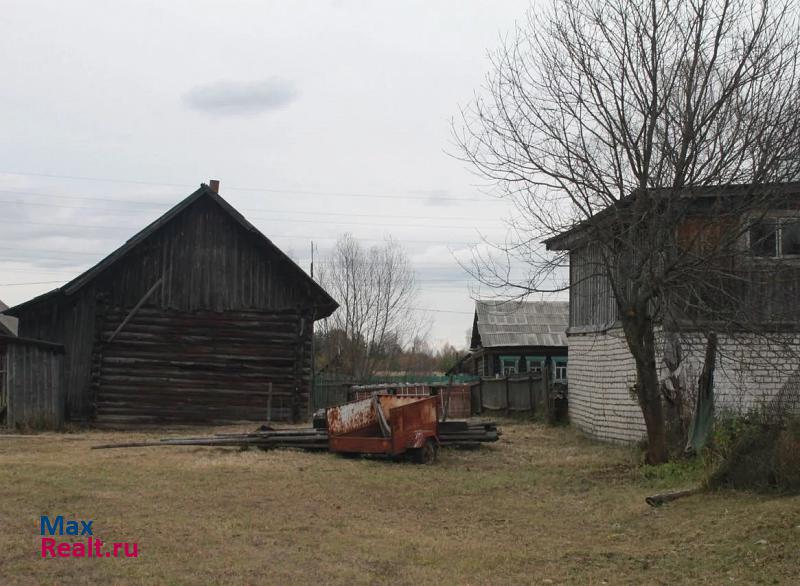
(504, 359)
(539, 360)
(778, 220)
(560, 363)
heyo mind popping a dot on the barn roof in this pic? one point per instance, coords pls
(326, 303)
(526, 323)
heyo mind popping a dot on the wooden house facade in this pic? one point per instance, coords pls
(749, 292)
(510, 338)
(199, 318)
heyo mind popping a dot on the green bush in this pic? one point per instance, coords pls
(787, 457)
(747, 453)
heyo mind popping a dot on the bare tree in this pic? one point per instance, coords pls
(376, 290)
(613, 122)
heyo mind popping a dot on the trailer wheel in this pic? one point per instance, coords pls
(426, 454)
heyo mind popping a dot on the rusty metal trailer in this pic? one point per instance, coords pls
(386, 424)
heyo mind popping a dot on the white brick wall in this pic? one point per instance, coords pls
(601, 372)
(750, 373)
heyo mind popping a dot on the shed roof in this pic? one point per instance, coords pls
(8, 324)
(573, 235)
(326, 303)
(525, 323)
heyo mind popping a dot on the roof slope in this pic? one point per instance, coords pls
(526, 323)
(573, 235)
(326, 303)
(8, 324)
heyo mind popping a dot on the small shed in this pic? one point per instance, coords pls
(31, 395)
(514, 337)
(197, 319)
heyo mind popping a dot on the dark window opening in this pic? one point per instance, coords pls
(790, 238)
(764, 238)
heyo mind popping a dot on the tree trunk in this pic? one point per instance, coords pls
(640, 337)
(653, 411)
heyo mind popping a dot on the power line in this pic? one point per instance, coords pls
(33, 283)
(254, 189)
(441, 310)
(429, 309)
(283, 220)
(159, 205)
(318, 237)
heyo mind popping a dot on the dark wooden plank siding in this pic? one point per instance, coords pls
(170, 367)
(591, 300)
(72, 324)
(33, 386)
(206, 262)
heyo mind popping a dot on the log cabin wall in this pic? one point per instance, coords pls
(168, 366)
(190, 325)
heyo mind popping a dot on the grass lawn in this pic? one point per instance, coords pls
(541, 506)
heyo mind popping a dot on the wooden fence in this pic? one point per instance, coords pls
(31, 390)
(534, 394)
(531, 393)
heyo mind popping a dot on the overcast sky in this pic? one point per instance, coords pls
(318, 117)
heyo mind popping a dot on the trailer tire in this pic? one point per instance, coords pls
(426, 454)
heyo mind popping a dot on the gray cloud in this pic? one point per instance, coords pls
(437, 197)
(229, 98)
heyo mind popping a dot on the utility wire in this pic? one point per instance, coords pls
(267, 218)
(32, 283)
(311, 237)
(255, 189)
(159, 205)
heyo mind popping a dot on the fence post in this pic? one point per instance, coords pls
(530, 394)
(508, 397)
(269, 403)
(446, 400)
(546, 389)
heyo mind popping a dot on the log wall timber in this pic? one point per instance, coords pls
(171, 367)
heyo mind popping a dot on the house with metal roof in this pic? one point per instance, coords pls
(515, 337)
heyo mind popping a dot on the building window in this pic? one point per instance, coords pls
(775, 237)
(509, 365)
(534, 364)
(481, 366)
(560, 370)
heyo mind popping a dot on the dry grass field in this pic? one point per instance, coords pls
(540, 506)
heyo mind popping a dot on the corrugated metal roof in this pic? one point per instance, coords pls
(527, 323)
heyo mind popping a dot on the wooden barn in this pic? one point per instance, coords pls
(197, 319)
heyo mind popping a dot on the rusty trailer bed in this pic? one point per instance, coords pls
(385, 424)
